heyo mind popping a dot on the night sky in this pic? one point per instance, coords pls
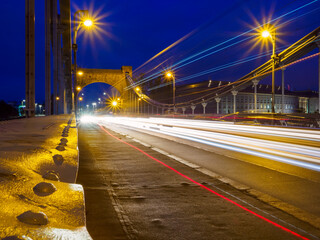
(135, 31)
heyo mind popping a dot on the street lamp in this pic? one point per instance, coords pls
(272, 36)
(80, 100)
(170, 74)
(88, 23)
(83, 16)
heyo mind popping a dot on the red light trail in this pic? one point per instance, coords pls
(206, 188)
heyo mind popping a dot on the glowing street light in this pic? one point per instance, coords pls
(114, 103)
(80, 98)
(88, 23)
(80, 73)
(272, 35)
(265, 34)
(170, 74)
(78, 88)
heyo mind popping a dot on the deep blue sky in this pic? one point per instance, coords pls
(137, 30)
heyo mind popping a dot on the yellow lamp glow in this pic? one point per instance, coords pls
(114, 103)
(137, 89)
(57, 98)
(265, 34)
(80, 98)
(88, 23)
(80, 73)
(78, 88)
(169, 74)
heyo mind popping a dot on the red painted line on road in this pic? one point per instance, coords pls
(208, 189)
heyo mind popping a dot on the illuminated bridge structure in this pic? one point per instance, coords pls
(114, 77)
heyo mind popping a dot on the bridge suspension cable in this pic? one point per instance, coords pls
(288, 57)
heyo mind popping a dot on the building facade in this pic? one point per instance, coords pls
(244, 100)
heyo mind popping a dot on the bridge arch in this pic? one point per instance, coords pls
(114, 77)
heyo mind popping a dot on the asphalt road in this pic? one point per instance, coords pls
(288, 183)
(136, 192)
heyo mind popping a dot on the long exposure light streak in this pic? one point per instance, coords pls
(211, 95)
(206, 133)
(242, 34)
(207, 188)
(218, 68)
(212, 91)
(174, 66)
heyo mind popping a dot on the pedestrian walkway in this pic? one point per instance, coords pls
(38, 168)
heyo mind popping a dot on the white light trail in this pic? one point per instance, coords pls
(224, 135)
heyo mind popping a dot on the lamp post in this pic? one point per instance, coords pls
(139, 99)
(82, 15)
(170, 74)
(272, 36)
(138, 92)
(80, 100)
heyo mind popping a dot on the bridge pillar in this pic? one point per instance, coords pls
(47, 57)
(30, 59)
(234, 93)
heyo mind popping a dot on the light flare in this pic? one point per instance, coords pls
(205, 132)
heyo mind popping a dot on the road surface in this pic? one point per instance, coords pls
(155, 196)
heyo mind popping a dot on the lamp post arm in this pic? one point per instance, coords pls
(273, 39)
(76, 28)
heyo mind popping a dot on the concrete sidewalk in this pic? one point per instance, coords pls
(38, 168)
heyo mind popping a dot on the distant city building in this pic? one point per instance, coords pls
(305, 102)
(245, 101)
